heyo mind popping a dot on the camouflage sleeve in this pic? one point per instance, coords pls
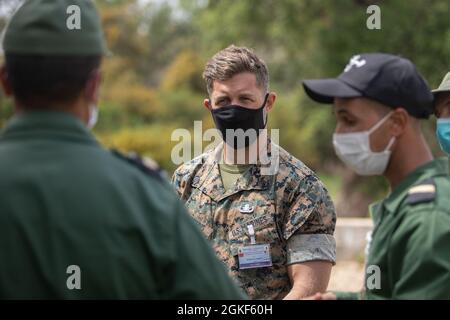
(309, 223)
(311, 247)
(309, 209)
(180, 181)
(176, 182)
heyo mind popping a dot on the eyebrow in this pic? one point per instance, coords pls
(246, 95)
(343, 112)
(222, 96)
(339, 111)
(240, 95)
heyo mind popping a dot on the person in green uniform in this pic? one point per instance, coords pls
(379, 100)
(78, 221)
(442, 112)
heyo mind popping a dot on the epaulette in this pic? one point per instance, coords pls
(424, 191)
(146, 165)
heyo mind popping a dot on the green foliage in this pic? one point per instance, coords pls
(185, 72)
(151, 141)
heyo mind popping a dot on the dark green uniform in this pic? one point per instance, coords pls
(411, 239)
(66, 201)
(77, 221)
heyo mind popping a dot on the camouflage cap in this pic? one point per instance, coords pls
(444, 86)
(49, 27)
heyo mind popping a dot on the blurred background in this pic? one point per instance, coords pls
(153, 84)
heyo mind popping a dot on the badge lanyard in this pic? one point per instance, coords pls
(257, 255)
(273, 201)
(251, 233)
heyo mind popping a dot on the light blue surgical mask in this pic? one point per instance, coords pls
(443, 134)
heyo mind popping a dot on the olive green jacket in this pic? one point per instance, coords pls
(410, 247)
(77, 222)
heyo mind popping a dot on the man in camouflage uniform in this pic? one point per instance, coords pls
(273, 231)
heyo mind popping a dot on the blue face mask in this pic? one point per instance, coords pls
(443, 134)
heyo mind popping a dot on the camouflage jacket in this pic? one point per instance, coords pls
(291, 202)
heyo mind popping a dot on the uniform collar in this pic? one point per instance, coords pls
(44, 124)
(209, 180)
(436, 167)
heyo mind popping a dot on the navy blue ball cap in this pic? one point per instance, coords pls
(391, 80)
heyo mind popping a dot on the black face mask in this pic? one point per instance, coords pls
(237, 117)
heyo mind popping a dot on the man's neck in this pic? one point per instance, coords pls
(407, 157)
(77, 109)
(245, 156)
(233, 156)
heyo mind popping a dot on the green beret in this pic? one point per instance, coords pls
(55, 27)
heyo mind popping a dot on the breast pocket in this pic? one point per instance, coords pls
(201, 210)
(265, 230)
(263, 282)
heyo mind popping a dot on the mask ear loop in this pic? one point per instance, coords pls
(377, 125)
(263, 106)
(391, 142)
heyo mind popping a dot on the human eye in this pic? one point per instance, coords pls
(222, 102)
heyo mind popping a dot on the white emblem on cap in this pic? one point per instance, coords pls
(355, 61)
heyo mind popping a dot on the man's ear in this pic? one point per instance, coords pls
(6, 85)
(400, 120)
(271, 101)
(207, 104)
(92, 91)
